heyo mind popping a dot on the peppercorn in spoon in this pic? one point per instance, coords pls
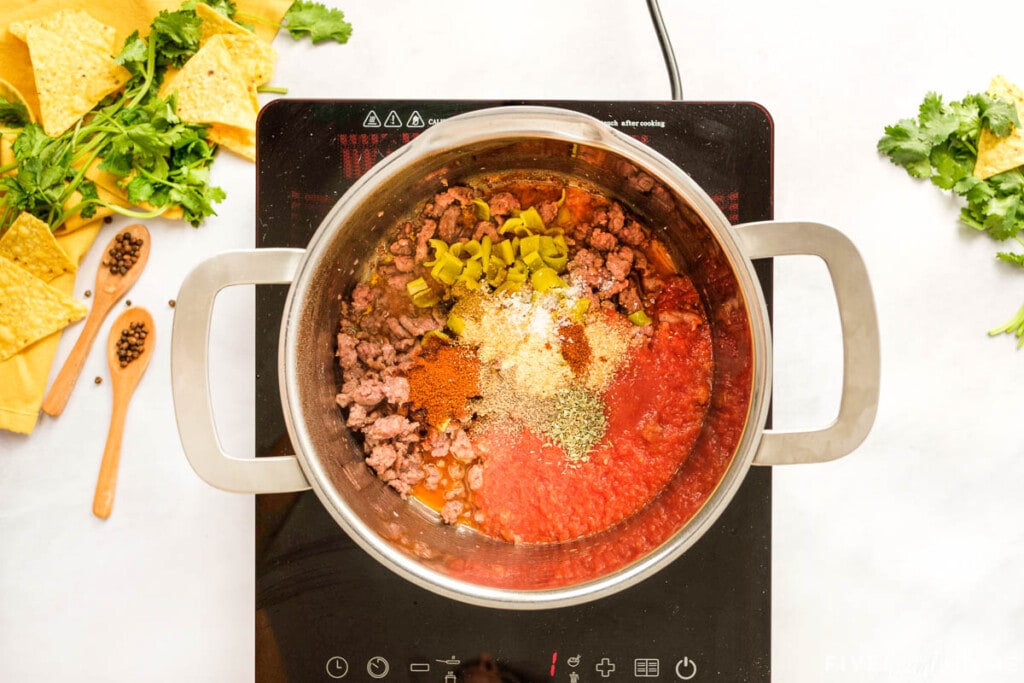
(129, 349)
(122, 263)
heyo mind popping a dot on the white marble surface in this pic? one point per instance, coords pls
(900, 563)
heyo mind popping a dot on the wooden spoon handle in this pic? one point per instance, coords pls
(103, 501)
(60, 390)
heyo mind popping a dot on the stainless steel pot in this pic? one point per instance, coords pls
(407, 539)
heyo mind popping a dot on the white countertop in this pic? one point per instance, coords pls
(899, 563)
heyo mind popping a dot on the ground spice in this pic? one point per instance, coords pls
(574, 347)
(442, 381)
(577, 422)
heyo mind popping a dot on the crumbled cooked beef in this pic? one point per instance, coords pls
(451, 511)
(486, 228)
(503, 204)
(462, 448)
(391, 428)
(403, 246)
(348, 358)
(601, 240)
(405, 264)
(475, 477)
(548, 211)
(422, 239)
(450, 225)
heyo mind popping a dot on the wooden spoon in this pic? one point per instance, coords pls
(110, 287)
(123, 379)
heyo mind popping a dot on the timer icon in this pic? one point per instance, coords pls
(377, 667)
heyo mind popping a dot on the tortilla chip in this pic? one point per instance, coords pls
(215, 23)
(240, 141)
(71, 78)
(999, 154)
(254, 58)
(30, 244)
(211, 89)
(75, 26)
(30, 309)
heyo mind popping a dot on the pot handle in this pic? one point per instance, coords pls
(190, 380)
(859, 326)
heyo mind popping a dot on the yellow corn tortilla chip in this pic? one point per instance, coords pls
(30, 309)
(70, 77)
(215, 23)
(254, 58)
(211, 89)
(76, 26)
(999, 154)
(240, 141)
(30, 244)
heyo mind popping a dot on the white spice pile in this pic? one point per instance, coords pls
(524, 376)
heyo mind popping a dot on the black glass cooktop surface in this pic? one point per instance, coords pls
(327, 611)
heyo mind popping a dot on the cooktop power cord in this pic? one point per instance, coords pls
(666, 49)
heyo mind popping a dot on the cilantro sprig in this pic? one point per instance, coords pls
(316, 21)
(309, 19)
(941, 144)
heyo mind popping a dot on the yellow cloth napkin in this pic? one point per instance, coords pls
(23, 376)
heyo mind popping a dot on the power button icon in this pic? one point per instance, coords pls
(686, 669)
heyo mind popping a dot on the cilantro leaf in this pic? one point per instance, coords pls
(320, 23)
(134, 55)
(1008, 257)
(906, 145)
(998, 115)
(176, 36)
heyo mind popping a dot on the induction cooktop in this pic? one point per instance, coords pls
(327, 611)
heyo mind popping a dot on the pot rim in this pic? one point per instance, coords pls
(529, 121)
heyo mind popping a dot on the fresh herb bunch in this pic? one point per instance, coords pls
(163, 161)
(137, 134)
(941, 144)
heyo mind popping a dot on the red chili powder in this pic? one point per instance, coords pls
(442, 381)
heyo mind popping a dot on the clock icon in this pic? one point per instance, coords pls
(337, 667)
(377, 667)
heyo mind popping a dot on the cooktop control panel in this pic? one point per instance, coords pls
(572, 668)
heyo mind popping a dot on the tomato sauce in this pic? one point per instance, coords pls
(655, 407)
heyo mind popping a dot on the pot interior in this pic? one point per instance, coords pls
(459, 562)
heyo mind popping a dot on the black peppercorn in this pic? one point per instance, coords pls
(123, 254)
